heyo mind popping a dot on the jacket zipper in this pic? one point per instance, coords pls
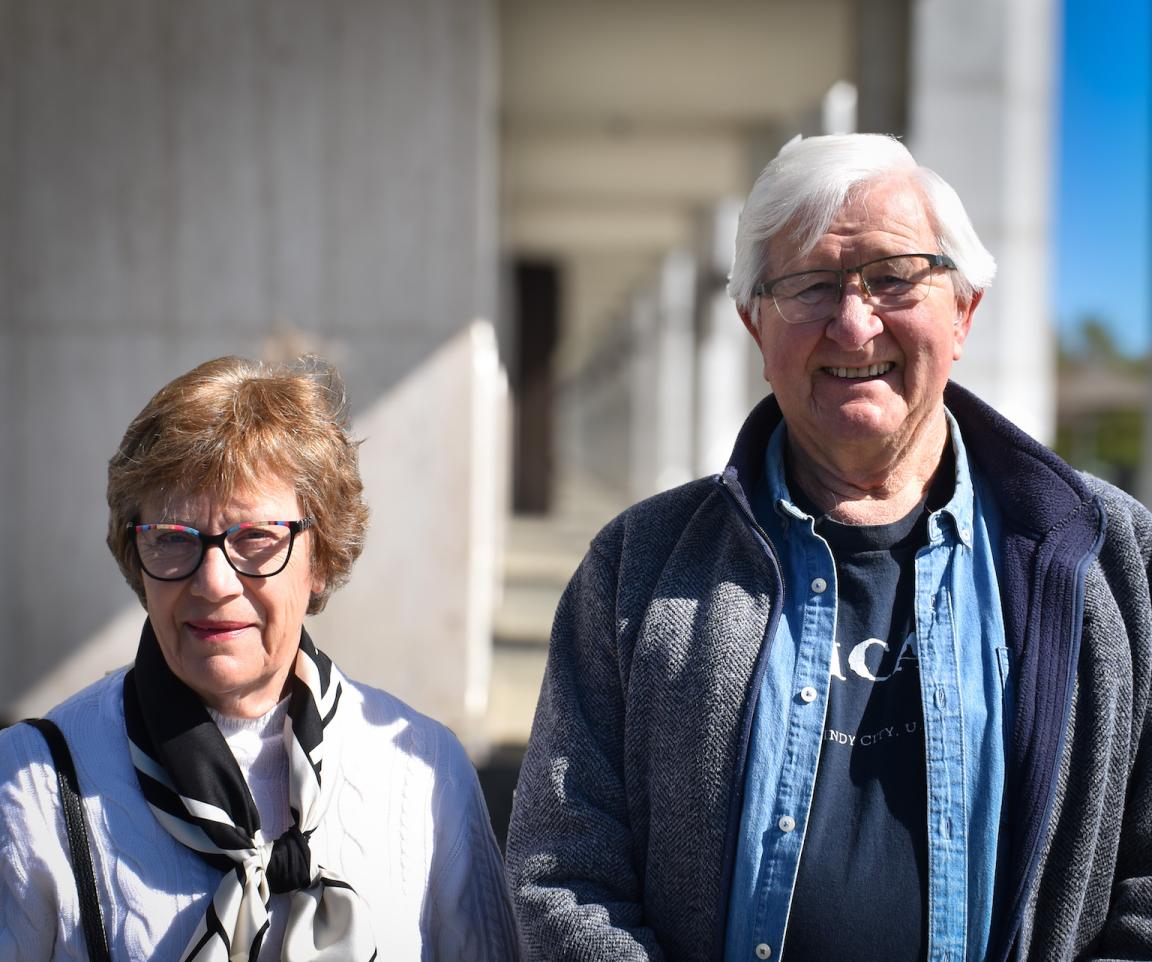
(736, 795)
(1012, 931)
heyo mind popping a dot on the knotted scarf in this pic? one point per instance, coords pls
(194, 787)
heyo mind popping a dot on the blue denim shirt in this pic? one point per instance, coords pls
(963, 680)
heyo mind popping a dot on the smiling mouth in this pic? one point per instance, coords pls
(872, 370)
(216, 629)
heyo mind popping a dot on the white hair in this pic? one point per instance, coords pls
(811, 178)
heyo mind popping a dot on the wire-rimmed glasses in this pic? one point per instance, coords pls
(890, 283)
(255, 549)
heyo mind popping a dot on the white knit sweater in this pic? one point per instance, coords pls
(408, 828)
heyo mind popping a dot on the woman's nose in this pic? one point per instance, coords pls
(215, 578)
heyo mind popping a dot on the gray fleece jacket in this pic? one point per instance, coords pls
(624, 827)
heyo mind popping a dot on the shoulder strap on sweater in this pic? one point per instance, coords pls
(78, 845)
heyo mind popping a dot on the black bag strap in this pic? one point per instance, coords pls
(78, 845)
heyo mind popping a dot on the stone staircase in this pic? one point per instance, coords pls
(541, 554)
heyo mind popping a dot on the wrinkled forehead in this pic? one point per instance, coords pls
(885, 215)
(896, 198)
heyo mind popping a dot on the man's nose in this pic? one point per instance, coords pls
(855, 322)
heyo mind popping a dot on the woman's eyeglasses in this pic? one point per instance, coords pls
(255, 549)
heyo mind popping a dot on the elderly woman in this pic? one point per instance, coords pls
(245, 800)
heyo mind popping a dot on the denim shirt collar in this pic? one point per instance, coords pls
(958, 512)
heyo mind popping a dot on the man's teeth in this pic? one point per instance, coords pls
(871, 371)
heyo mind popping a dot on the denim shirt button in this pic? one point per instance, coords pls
(819, 585)
(808, 694)
(787, 823)
(763, 951)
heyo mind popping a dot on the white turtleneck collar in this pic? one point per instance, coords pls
(258, 747)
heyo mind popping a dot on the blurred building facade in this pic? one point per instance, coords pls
(370, 177)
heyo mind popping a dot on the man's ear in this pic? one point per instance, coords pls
(963, 323)
(750, 321)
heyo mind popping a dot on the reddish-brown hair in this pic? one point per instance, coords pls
(231, 423)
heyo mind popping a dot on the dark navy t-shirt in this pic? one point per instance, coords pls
(862, 886)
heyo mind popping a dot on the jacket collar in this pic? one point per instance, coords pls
(746, 463)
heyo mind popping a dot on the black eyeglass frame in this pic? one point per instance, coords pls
(220, 541)
(764, 289)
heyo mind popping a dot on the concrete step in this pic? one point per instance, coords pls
(526, 613)
(517, 671)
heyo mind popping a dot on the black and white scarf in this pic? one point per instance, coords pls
(194, 787)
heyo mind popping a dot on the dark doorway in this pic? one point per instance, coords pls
(536, 311)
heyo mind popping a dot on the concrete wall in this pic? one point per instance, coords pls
(183, 180)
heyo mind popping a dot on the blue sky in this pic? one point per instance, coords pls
(1103, 212)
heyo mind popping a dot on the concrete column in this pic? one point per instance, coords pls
(644, 384)
(722, 358)
(981, 116)
(674, 425)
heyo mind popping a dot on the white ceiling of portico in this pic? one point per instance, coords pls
(624, 121)
(670, 63)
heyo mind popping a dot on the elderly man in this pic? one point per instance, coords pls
(880, 691)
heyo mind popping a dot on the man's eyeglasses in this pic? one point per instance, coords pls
(255, 549)
(889, 283)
